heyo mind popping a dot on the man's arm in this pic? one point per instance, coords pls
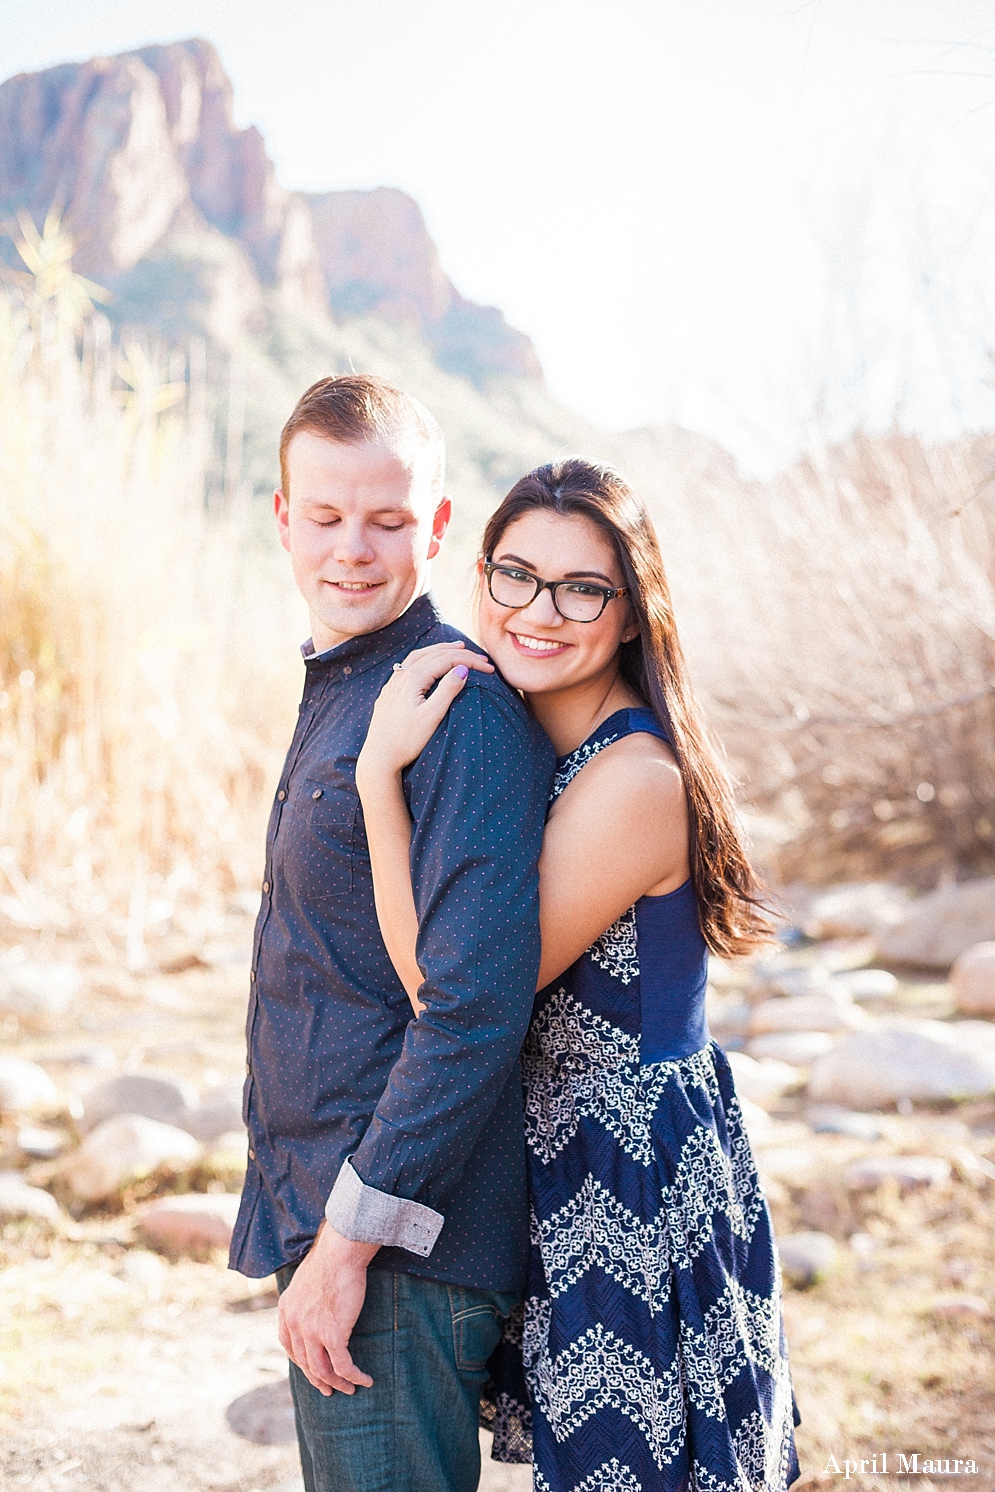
(477, 798)
(477, 795)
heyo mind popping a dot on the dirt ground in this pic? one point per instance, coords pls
(117, 1365)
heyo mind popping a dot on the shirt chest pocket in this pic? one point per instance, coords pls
(318, 833)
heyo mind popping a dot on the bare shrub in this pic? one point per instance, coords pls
(842, 623)
(144, 681)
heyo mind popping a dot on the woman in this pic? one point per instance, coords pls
(653, 1344)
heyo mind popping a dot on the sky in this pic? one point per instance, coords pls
(770, 220)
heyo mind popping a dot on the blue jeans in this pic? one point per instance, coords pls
(425, 1345)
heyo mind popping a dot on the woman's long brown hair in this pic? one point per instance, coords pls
(730, 897)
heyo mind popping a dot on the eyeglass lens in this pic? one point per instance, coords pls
(574, 601)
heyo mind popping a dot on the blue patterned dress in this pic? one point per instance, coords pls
(653, 1344)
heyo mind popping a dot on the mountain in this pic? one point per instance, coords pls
(180, 215)
(141, 153)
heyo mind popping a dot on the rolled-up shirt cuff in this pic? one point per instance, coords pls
(366, 1215)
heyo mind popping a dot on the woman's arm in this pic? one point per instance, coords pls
(388, 833)
(404, 719)
(618, 832)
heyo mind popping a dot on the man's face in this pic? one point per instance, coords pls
(360, 526)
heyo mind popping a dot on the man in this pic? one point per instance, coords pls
(386, 1180)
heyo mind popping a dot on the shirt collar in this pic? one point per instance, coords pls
(369, 648)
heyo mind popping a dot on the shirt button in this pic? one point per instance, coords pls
(252, 1154)
(266, 888)
(281, 795)
(252, 976)
(347, 669)
(317, 793)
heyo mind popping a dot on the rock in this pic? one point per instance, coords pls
(851, 910)
(867, 984)
(37, 989)
(807, 1258)
(18, 1199)
(961, 1307)
(831, 1011)
(123, 1150)
(788, 980)
(762, 1080)
(218, 1113)
(919, 1061)
(827, 1119)
(910, 1171)
(726, 974)
(190, 1224)
(230, 1152)
(264, 1415)
(940, 926)
(24, 1086)
(154, 1097)
(40, 1144)
(972, 980)
(798, 1048)
(757, 1122)
(788, 1163)
(143, 1270)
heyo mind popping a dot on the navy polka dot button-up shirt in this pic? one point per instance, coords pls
(410, 1130)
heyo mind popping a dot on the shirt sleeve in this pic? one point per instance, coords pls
(477, 796)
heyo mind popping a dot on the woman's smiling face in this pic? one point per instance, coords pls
(536, 649)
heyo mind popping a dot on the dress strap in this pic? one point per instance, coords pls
(623, 723)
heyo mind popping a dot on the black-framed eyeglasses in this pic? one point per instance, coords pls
(575, 600)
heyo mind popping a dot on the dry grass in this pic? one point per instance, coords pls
(144, 686)
(841, 621)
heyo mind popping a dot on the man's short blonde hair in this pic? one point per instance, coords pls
(356, 408)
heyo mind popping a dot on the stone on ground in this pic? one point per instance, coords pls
(193, 1223)
(38, 1143)
(867, 984)
(807, 1258)
(972, 980)
(911, 1172)
(757, 1122)
(922, 1061)
(19, 1200)
(762, 1081)
(24, 1086)
(123, 1150)
(218, 1113)
(851, 910)
(798, 1048)
(264, 1415)
(791, 1164)
(965, 1308)
(833, 1011)
(830, 1119)
(940, 926)
(165, 1099)
(37, 989)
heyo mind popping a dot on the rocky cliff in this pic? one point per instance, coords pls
(168, 200)
(262, 290)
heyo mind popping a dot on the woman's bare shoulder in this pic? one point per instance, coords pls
(638, 773)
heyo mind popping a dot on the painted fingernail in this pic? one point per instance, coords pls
(461, 670)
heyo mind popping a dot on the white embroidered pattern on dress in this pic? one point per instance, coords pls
(577, 1065)
(611, 1477)
(615, 951)
(594, 1231)
(572, 764)
(601, 1370)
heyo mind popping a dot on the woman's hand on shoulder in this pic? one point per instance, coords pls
(406, 714)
